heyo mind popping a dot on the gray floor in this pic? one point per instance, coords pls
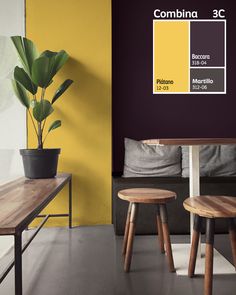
(87, 261)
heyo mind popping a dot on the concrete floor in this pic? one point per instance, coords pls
(87, 261)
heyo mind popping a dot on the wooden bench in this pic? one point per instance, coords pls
(21, 201)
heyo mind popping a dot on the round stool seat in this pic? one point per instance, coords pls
(147, 195)
(212, 206)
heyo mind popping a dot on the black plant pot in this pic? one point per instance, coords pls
(40, 163)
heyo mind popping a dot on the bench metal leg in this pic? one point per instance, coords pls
(70, 203)
(18, 263)
(232, 235)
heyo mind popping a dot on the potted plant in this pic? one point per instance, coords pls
(30, 84)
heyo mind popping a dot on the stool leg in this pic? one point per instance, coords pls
(126, 229)
(194, 245)
(164, 220)
(210, 227)
(160, 230)
(128, 255)
(232, 235)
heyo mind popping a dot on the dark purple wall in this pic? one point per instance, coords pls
(139, 114)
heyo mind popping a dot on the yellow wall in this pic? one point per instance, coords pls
(83, 29)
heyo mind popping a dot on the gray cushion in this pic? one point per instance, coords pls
(215, 160)
(143, 160)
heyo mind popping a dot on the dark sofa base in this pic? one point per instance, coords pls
(178, 217)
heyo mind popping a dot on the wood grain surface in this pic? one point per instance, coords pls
(190, 141)
(146, 195)
(212, 206)
(23, 199)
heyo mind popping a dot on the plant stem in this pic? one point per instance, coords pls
(40, 130)
(44, 124)
(45, 137)
(43, 93)
(40, 142)
(33, 122)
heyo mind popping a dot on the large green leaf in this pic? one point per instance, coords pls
(30, 52)
(42, 110)
(41, 70)
(61, 89)
(60, 59)
(22, 77)
(54, 125)
(48, 53)
(21, 93)
(46, 66)
(18, 43)
(27, 52)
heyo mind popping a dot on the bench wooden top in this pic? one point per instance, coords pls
(212, 206)
(190, 141)
(147, 195)
(23, 199)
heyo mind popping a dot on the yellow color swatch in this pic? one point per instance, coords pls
(171, 56)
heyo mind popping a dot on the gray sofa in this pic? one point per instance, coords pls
(178, 217)
(167, 167)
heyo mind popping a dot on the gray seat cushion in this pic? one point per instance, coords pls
(215, 160)
(143, 160)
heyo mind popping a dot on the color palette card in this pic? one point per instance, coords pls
(189, 56)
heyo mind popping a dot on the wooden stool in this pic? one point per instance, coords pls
(210, 207)
(135, 196)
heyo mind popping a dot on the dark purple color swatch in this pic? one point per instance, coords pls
(207, 43)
